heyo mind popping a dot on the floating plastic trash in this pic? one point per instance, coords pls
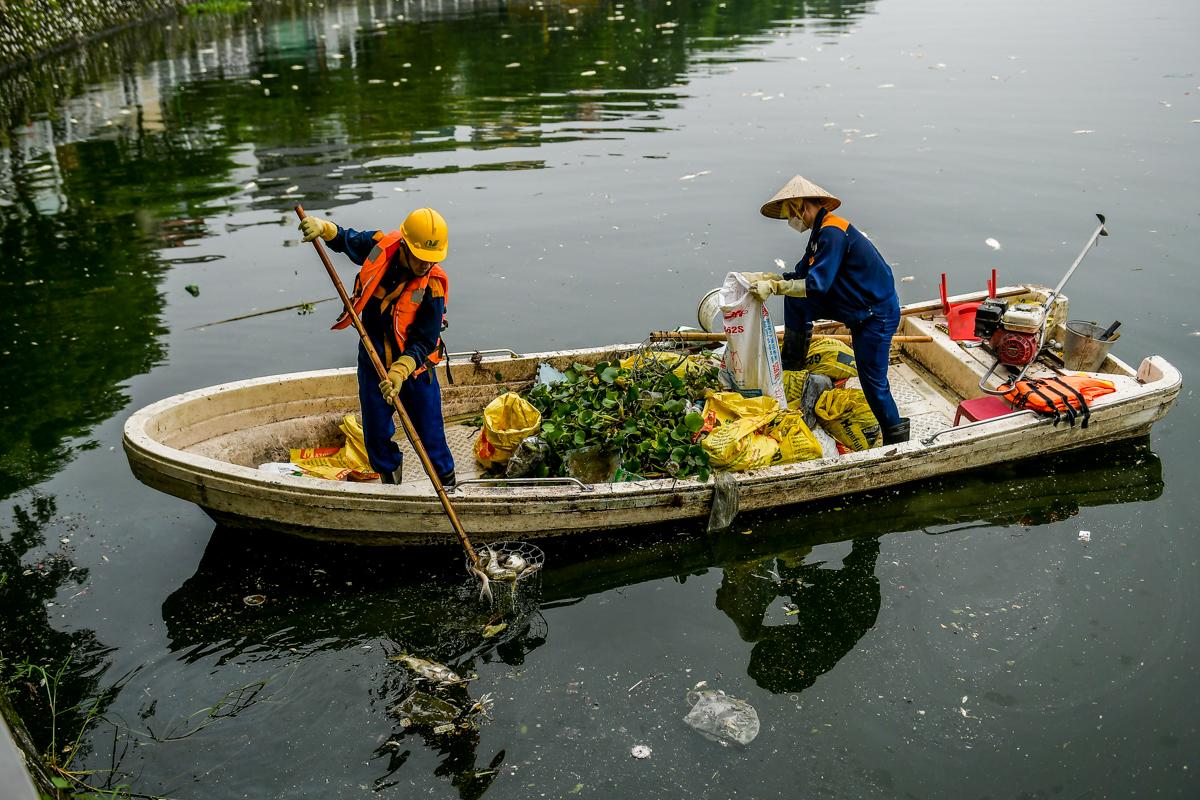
(722, 718)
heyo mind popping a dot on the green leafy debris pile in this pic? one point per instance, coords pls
(648, 416)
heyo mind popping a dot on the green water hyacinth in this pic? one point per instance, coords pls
(649, 417)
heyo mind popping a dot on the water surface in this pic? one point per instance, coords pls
(601, 166)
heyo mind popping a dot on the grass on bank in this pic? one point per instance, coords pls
(70, 783)
(218, 7)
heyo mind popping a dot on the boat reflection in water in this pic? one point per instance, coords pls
(325, 598)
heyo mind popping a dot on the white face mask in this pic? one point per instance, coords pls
(797, 224)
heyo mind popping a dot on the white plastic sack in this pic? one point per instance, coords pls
(752, 363)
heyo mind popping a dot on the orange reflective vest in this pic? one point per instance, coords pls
(1062, 397)
(404, 301)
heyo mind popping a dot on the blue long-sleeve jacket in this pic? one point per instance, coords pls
(845, 276)
(426, 327)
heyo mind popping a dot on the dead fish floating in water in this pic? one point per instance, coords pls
(437, 674)
(422, 711)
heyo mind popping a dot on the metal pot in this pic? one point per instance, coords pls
(708, 313)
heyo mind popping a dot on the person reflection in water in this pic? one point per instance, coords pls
(835, 607)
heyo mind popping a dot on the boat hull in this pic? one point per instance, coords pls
(204, 446)
(238, 495)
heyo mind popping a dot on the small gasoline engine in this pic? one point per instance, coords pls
(1013, 332)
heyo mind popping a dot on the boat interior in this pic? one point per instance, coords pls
(929, 379)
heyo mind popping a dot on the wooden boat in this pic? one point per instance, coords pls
(204, 446)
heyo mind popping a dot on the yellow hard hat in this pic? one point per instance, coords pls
(425, 232)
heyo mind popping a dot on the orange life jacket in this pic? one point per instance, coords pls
(1062, 397)
(404, 301)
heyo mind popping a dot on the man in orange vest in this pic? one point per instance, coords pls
(400, 294)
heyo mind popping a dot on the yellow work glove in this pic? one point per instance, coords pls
(312, 227)
(402, 367)
(754, 277)
(764, 289)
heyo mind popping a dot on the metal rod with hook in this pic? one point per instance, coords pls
(1050, 298)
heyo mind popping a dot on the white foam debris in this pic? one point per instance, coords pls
(992, 243)
(1085, 536)
(1084, 130)
(513, 65)
(907, 279)
(696, 175)
(887, 86)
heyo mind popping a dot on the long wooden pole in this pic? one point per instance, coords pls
(704, 336)
(405, 422)
(254, 314)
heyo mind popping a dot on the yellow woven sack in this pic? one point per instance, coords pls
(726, 406)
(793, 386)
(737, 446)
(796, 441)
(348, 462)
(506, 421)
(682, 366)
(831, 357)
(736, 442)
(848, 418)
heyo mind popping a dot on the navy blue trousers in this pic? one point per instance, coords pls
(872, 351)
(422, 399)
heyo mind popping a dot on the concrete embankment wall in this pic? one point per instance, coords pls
(30, 28)
(19, 765)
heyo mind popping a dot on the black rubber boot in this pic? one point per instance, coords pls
(795, 349)
(391, 478)
(449, 481)
(898, 433)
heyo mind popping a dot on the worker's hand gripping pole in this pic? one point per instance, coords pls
(405, 422)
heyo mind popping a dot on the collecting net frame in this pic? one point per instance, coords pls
(497, 556)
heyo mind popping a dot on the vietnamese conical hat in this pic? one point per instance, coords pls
(797, 188)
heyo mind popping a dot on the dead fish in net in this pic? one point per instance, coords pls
(505, 567)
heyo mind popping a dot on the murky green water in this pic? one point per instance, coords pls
(601, 166)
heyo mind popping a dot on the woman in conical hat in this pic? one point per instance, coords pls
(842, 277)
